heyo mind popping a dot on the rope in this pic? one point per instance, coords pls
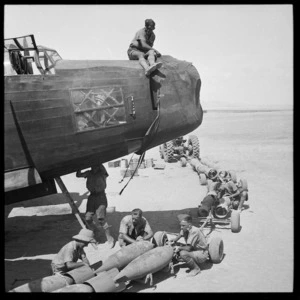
(126, 168)
(137, 166)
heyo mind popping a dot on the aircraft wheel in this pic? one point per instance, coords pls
(203, 179)
(183, 161)
(168, 151)
(233, 176)
(193, 147)
(159, 239)
(216, 249)
(235, 221)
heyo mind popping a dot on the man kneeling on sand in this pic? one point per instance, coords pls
(134, 228)
(196, 249)
(66, 259)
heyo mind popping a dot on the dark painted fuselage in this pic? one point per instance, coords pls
(50, 119)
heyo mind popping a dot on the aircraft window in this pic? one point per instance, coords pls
(54, 56)
(98, 108)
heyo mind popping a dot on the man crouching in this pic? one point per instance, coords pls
(196, 249)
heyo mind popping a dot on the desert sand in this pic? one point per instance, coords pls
(259, 258)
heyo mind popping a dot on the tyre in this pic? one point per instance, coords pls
(193, 147)
(235, 221)
(215, 250)
(168, 151)
(161, 151)
(183, 161)
(159, 239)
(233, 176)
(244, 184)
(203, 179)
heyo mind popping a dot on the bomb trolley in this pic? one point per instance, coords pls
(222, 214)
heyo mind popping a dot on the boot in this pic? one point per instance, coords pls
(110, 239)
(193, 267)
(154, 65)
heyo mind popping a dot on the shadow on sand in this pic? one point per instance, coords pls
(136, 286)
(29, 236)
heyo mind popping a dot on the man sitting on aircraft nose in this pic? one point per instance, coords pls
(141, 48)
(97, 201)
(134, 228)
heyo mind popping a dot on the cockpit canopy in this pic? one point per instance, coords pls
(23, 56)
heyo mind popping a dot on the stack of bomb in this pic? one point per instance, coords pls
(203, 167)
(104, 279)
(136, 261)
(200, 168)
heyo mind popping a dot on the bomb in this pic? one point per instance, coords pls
(54, 282)
(125, 255)
(147, 263)
(102, 283)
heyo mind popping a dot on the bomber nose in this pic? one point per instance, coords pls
(180, 109)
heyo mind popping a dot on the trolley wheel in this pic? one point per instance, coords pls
(235, 221)
(215, 249)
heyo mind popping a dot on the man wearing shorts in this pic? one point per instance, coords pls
(195, 251)
(141, 48)
(97, 201)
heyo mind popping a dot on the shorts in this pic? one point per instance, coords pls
(200, 256)
(133, 54)
(96, 204)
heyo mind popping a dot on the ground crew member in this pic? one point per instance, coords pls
(97, 201)
(134, 228)
(141, 48)
(66, 259)
(211, 199)
(237, 193)
(195, 251)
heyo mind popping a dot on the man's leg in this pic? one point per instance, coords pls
(90, 211)
(138, 55)
(188, 258)
(152, 58)
(243, 198)
(101, 216)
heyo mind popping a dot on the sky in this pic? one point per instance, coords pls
(243, 53)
